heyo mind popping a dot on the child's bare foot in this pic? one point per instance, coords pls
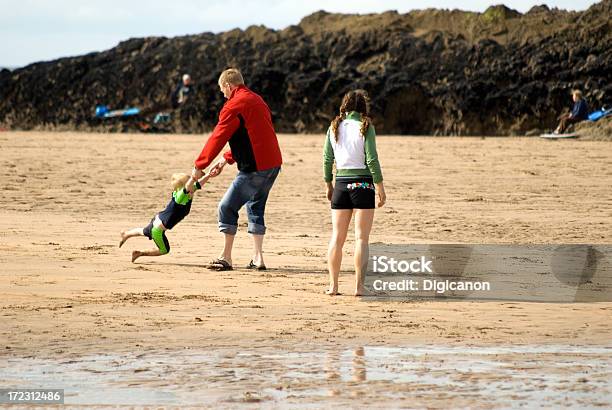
(123, 238)
(136, 255)
(332, 291)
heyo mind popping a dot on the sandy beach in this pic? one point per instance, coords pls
(67, 290)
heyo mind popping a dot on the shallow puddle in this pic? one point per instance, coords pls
(375, 376)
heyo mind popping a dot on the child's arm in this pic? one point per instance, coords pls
(189, 186)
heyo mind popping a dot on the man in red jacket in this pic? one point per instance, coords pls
(246, 123)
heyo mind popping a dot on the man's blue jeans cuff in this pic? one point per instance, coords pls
(228, 229)
(256, 229)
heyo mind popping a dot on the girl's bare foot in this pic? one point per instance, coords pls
(332, 291)
(363, 292)
(136, 255)
(124, 238)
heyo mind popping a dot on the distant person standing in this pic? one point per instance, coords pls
(580, 112)
(245, 122)
(183, 91)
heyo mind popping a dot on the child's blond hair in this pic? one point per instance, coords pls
(179, 180)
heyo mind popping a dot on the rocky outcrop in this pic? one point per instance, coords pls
(595, 131)
(428, 72)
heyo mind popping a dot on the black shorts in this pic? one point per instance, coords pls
(354, 193)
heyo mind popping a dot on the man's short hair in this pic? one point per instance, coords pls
(231, 76)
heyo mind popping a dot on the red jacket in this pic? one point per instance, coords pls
(246, 123)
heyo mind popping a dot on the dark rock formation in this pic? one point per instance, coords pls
(427, 71)
(595, 131)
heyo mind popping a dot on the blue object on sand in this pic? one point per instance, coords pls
(596, 115)
(102, 111)
(130, 111)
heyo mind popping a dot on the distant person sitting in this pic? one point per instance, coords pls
(162, 112)
(182, 92)
(580, 112)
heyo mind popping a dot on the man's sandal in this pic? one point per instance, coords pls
(220, 265)
(251, 265)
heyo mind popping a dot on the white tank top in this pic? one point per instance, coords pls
(349, 151)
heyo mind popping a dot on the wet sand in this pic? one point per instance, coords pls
(67, 291)
(552, 376)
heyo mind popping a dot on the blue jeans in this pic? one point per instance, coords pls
(252, 189)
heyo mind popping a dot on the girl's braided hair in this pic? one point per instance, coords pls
(355, 100)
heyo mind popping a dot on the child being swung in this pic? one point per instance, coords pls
(178, 208)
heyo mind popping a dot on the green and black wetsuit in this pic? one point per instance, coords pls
(176, 210)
